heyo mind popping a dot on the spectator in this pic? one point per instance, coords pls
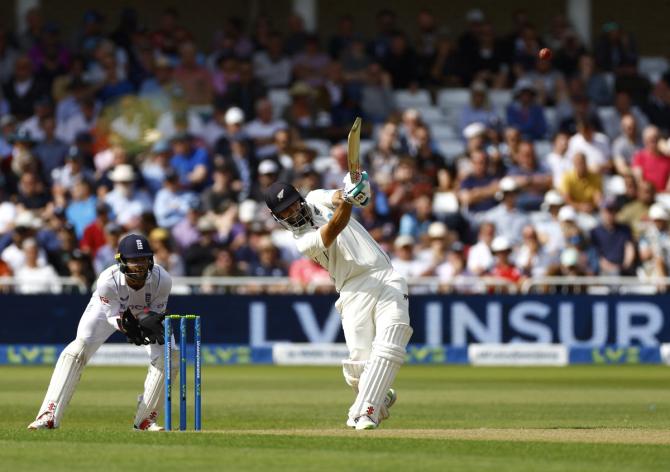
(382, 159)
(81, 211)
(549, 82)
(480, 257)
(63, 178)
(303, 114)
(341, 41)
(635, 213)
(164, 254)
(185, 233)
(613, 242)
(246, 91)
(244, 165)
(31, 194)
(356, 62)
(549, 232)
(446, 68)
(503, 267)
(581, 187)
(649, 163)
(454, 271)
(657, 108)
(126, 202)
(43, 109)
(171, 203)
(261, 130)
(268, 264)
(593, 145)
(268, 173)
(477, 191)
(524, 113)
(297, 36)
(436, 246)
(23, 89)
(104, 256)
(224, 192)
(416, 223)
(655, 244)
(487, 63)
(224, 265)
(51, 151)
(377, 100)
(532, 258)
(623, 106)
(158, 87)
(570, 266)
(272, 66)
(8, 56)
(594, 84)
(614, 47)
(233, 121)
(557, 160)
(200, 255)
(84, 120)
(428, 162)
(401, 62)
(531, 177)
(479, 109)
(193, 78)
(25, 227)
(93, 237)
(35, 277)
(179, 118)
(626, 145)
(404, 261)
(190, 162)
(506, 217)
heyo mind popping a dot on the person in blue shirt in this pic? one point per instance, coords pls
(81, 210)
(525, 114)
(190, 162)
(171, 204)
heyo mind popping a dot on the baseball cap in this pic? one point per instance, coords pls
(404, 240)
(569, 257)
(247, 211)
(500, 244)
(508, 184)
(658, 212)
(437, 230)
(234, 116)
(567, 213)
(268, 166)
(279, 196)
(473, 130)
(553, 198)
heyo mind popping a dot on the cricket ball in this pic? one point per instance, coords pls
(545, 54)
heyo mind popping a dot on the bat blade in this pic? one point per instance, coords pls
(354, 141)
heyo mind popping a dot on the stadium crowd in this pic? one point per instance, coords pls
(485, 160)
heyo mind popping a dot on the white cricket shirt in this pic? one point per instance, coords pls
(354, 252)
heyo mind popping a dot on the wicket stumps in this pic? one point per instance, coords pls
(197, 329)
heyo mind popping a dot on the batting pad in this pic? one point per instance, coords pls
(388, 354)
(64, 380)
(352, 371)
(147, 406)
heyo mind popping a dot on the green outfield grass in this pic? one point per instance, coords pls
(290, 418)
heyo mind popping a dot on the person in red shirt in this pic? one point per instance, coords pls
(94, 234)
(503, 268)
(649, 163)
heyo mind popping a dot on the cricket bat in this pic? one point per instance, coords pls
(354, 141)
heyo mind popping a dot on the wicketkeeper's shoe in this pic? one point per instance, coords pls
(148, 425)
(45, 421)
(365, 422)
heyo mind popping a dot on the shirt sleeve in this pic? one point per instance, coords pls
(109, 300)
(321, 197)
(311, 244)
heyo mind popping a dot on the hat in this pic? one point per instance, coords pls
(404, 240)
(610, 204)
(122, 173)
(159, 233)
(473, 130)
(500, 244)
(113, 228)
(658, 212)
(22, 136)
(206, 225)
(553, 198)
(523, 85)
(25, 220)
(474, 16)
(437, 230)
(268, 166)
(508, 184)
(301, 89)
(567, 213)
(279, 196)
(478, 86)
(234, 116)
(569, 257)
(247, 211)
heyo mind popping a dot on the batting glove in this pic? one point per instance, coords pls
(357, 194)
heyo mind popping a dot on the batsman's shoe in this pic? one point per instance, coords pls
(365, 422)
(45, 421)
(384, 413)
(148, 425)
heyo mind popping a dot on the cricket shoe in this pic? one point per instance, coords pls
(384, 413)
(44, 421)
(365, 422)
(148, 425)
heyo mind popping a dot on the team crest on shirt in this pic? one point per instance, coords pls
(104, 300)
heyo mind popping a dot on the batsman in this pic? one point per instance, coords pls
(373, 301)
(130, 297)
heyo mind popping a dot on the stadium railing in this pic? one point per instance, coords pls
(597, 285)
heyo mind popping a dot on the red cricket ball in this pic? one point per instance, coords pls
(545, 54)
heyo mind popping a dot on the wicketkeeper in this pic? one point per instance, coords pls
(373, 298)
(131, 297)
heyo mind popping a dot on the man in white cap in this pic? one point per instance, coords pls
(268, 172)
(508, 219)
(549, 227)
(126, 202)
(404, 261)
(654, 246)
(503, 268)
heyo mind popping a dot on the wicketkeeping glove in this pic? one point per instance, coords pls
(129, 326)
(152, 327)
(358, 194)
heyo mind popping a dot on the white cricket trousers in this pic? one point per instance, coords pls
(368, 304)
